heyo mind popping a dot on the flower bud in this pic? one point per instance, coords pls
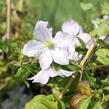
(84, 88)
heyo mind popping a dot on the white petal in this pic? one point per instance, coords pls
(52, 72)
(73, 55)
(44, 75)
(63, 73)
(41, 31)
(71, 27)
(60, 56)
(41, 77)
(106, 17)
(62, 40)
(86, 39)
(33, 48)
(45, 59)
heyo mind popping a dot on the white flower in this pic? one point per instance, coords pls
(44, 75)
(73, 28)
(47, 48)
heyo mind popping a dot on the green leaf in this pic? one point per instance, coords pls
(83, 45)
(24, 71)
(85, 103)
(3, 45)
(98, 105)
(102, 56)
(102, 52)
(80, 50)
(71, 67)
(40, 102)
(86, 6)
(103, 60)
(106, 88)
(103, 28)
(102, 43)
(105, 8)
(60, 103)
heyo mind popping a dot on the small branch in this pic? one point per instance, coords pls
(82, 63)
(67, 86)
(88, 54)
(8, 18)
(97, 67)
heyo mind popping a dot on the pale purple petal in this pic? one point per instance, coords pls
(33, 48)
(41, 31)
(52, 72)
(44, 75)
(86, 39)
(64, 73)
(40, 77)
(73, 55)
(71, 27)
(62, 40)
(45, 59)
(106, 40)
(106, 17)
(4, 37)
(60, 56)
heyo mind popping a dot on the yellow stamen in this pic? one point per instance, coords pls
(49, 44)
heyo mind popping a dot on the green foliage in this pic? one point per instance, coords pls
(24, 71)
(98, 105)
(106, 88)
(3, 45)
(102, 56)
(85, 103)
(105, 8)
(41, 102)
(103, 28)
(86, 6)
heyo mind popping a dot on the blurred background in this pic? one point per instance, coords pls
(17, 26)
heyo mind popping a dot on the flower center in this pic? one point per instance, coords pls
(49, 44)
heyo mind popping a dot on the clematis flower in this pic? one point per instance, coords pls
(73, 28)
(95, 22)
(46, 47)
(44, 75)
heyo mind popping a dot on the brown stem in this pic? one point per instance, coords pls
(67, 86)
